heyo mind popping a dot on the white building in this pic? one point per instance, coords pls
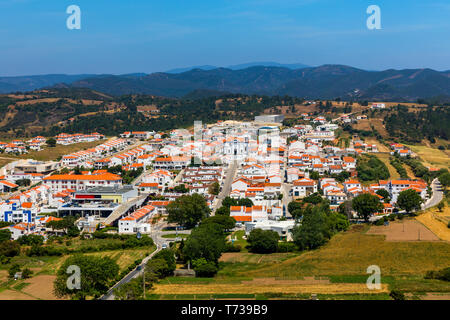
(138, 221)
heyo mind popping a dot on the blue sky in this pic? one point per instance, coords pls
(119, 36)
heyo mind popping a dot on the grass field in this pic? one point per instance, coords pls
(40, 285)
(350, 253)
(338, 270)
(437, 222)
(56, 152)
(239, 240)
(432, 157)
(4, 161)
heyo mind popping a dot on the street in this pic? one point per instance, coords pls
(437, 196)
(155, 234)
(226, 188)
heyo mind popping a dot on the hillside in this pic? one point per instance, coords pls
(323, 82)
(72, 110)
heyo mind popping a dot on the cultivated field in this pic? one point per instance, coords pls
(385, 158)
(338, 270)
(366, 125)
(283, 288)
(437, 222)
(350, 253)
(432, 157)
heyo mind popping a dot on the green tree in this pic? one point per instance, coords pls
(226, 222)
(132, 290)
(23, 182)
(31, 239)
(13, 270)
(314, 198)
(397, 295)
(96, 275)
(444, 179)
(228, 202)
(312, 232)
(294, 205)
(409, 200)
(169, 256)
(441, 206)
(385, 194)
(246, 202)
(214, 188)
(5, 235)
(51, 142)
(206, 241)
(188, 210)
(223, 211)
(366, 204)
(181, 188)
(9, 248)
(159, 267)
(26, 273)
(297, 214)
(204, 268)
(263, 241)
(314, 175)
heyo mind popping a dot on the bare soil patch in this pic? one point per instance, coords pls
(435, 296)
(3, 275)
(41, 287)
(407, 230)
(14, 295)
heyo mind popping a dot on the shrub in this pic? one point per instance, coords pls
(263, 241)
(286, 247)
(443, 274)
(230, 247)
(204, 268)
(397, 295)
(13, 270)
(169, 256)
(26, 273)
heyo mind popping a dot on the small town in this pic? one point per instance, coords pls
(114, 183)
(261, 174)
(224, 159)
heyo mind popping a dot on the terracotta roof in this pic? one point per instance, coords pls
(98, 177)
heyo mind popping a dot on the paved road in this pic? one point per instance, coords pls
(226, 188)
(159, 241)
(437, 196)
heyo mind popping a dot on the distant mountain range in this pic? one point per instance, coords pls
(323, 82)
(292, 66)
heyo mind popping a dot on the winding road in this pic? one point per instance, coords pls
(159, 241)
(437, 196)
